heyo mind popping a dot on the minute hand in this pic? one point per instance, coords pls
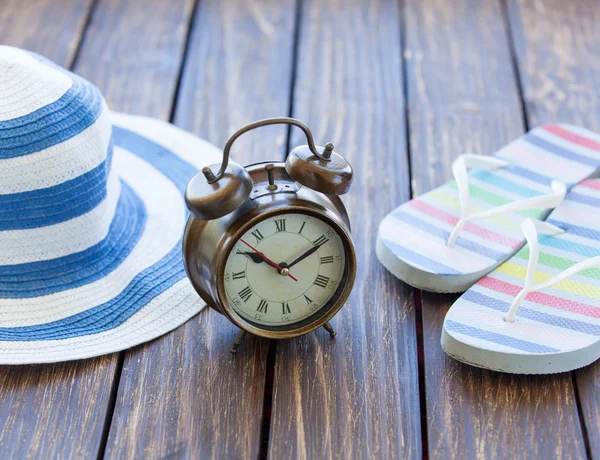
(304, 256)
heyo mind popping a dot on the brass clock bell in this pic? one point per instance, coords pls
(268, 245)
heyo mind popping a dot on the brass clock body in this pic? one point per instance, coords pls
(208, 243)
(231, 204)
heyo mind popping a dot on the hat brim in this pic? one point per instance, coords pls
(137, 290)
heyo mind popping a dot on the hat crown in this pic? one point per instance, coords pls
(90, 245)
(57, 195)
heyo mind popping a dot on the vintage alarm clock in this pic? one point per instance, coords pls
(268, 245)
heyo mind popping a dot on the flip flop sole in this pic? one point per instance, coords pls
(423, 279)
(552, 363)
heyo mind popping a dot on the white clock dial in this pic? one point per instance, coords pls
(284, 269)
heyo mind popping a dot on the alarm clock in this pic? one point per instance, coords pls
(268, 245)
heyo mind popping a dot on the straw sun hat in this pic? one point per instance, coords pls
(91, 218)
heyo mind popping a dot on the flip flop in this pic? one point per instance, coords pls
(447, 239)
(539, 312)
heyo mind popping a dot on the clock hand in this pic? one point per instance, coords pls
(305, 255)
(256, 258)
(269, 261)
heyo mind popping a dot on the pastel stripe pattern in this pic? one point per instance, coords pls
(91, 218)
(416, 233)
(560, 319)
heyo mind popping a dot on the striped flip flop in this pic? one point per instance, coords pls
(539, 312)
(447, 239)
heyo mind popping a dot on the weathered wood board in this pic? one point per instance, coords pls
(39, 26)
(133, 50)
(464, 97)
(185, 395)
(356, 396)
(557, 46)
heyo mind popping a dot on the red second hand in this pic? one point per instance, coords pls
(267, 259)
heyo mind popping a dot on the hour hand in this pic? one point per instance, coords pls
(256, 258)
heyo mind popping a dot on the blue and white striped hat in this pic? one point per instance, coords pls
(91, 218)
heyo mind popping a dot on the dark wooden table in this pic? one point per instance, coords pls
(401, 88)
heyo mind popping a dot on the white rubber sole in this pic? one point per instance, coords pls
(424, 280)
(548, 363)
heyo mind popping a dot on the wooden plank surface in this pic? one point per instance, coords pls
(463, 97)
(557, 47)
(185, 395)
(133, 51)
(38, 25)
(356, 396)
(52, 410)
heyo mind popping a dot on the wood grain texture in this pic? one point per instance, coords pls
(38, 25)
(557, 47)
(53, 410)
(463, 97)
(185, 395)
(474, 413)
(588, 384)
(355, 396)
(133, 51)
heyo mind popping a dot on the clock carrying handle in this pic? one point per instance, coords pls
(211, 178)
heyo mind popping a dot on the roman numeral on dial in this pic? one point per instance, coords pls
(257, 235)
(308, 299)
(320, 241)
(280, 225)
(241, 275)
(302, 226)
(263, 306)
(321, 281)
(245, 293)
(324, 260)
(285, 308)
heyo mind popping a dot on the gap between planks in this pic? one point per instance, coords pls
(526, 126)
(263, 451)
(272, 345)
(121, 355)
(416, 292)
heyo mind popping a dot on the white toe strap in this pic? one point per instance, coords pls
(469, 160)
(530, 230)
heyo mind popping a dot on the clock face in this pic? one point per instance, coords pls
(284, 269)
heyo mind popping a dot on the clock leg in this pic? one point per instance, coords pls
(329, 329)
(238, 341)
